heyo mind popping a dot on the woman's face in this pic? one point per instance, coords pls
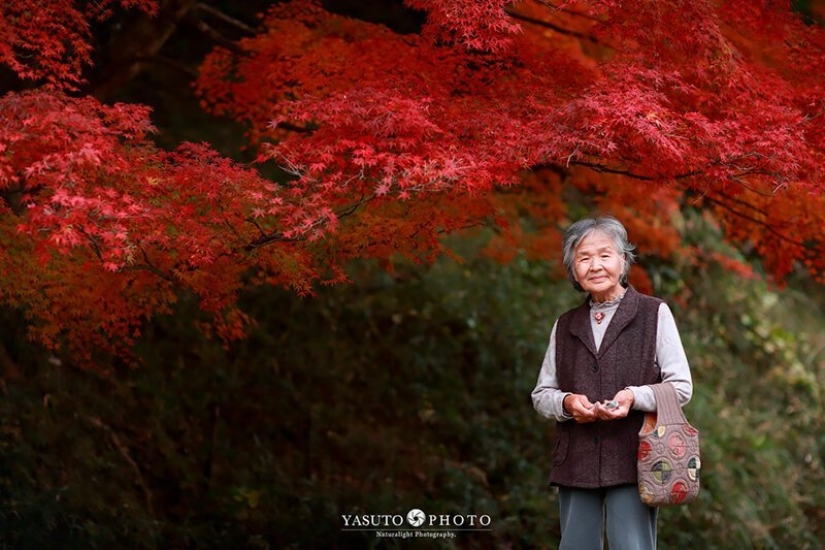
(598, 266)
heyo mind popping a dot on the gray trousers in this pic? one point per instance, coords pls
(587, 513)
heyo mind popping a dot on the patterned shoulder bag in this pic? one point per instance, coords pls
(668, 459)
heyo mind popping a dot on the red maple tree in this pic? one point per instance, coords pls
(484, 117)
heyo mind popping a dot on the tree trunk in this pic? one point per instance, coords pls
(141, 39)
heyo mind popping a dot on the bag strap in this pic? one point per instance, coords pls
(668, 410)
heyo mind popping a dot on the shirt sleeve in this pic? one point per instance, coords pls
(547, 397)
(672, 361)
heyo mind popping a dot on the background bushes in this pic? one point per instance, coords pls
(403, 390)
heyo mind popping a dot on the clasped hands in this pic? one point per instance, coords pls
(582, 410)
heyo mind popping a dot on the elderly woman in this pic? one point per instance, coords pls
(594, 382)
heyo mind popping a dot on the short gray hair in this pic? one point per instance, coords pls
(607, 225)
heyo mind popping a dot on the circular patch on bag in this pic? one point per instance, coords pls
(694, 466)
(644, 450)
(677, 445)
(690, 430)
(678, 492)
(645, 493)
(661, 471)
(660, 431)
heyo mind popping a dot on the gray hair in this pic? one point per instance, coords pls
(607, 225)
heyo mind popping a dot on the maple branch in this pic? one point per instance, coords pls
(769, 227)
(744, 204)
(162, 60)
(206, 29)
(601, 168)
(487, 224)
(279, 237)
(145, 36)
(225, 18)
(363, 200)
(271, 238)
(554, 7)
(295, 128)
(257, 226)
(93, 244)
(13, 198)
(809, 118)
(741, 182)
(546, 24)
(231, 228)
(148, 266)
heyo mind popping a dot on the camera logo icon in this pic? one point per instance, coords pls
(416, 517)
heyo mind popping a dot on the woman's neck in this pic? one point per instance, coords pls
(609, 296)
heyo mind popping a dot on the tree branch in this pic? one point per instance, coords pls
(770, 228)
(141, 39)
(9, 368)
(124, 452)
(148, 266)
(226, 19)
(720, 203)
(162, 60)
(546, 24)
(279, 237)
(216, 36)
(556, 8)
(294, 127)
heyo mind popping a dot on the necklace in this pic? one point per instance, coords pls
(599, 308)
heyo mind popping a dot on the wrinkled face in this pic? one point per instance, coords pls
(598, 266)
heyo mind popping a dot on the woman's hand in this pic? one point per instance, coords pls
(624, 400)
(580, 408)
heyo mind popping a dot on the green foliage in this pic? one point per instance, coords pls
(408, 389)
(758, 405)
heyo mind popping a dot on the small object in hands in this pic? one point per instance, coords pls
(611, 404)
(598, 316)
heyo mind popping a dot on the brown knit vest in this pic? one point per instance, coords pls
(603, 453)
